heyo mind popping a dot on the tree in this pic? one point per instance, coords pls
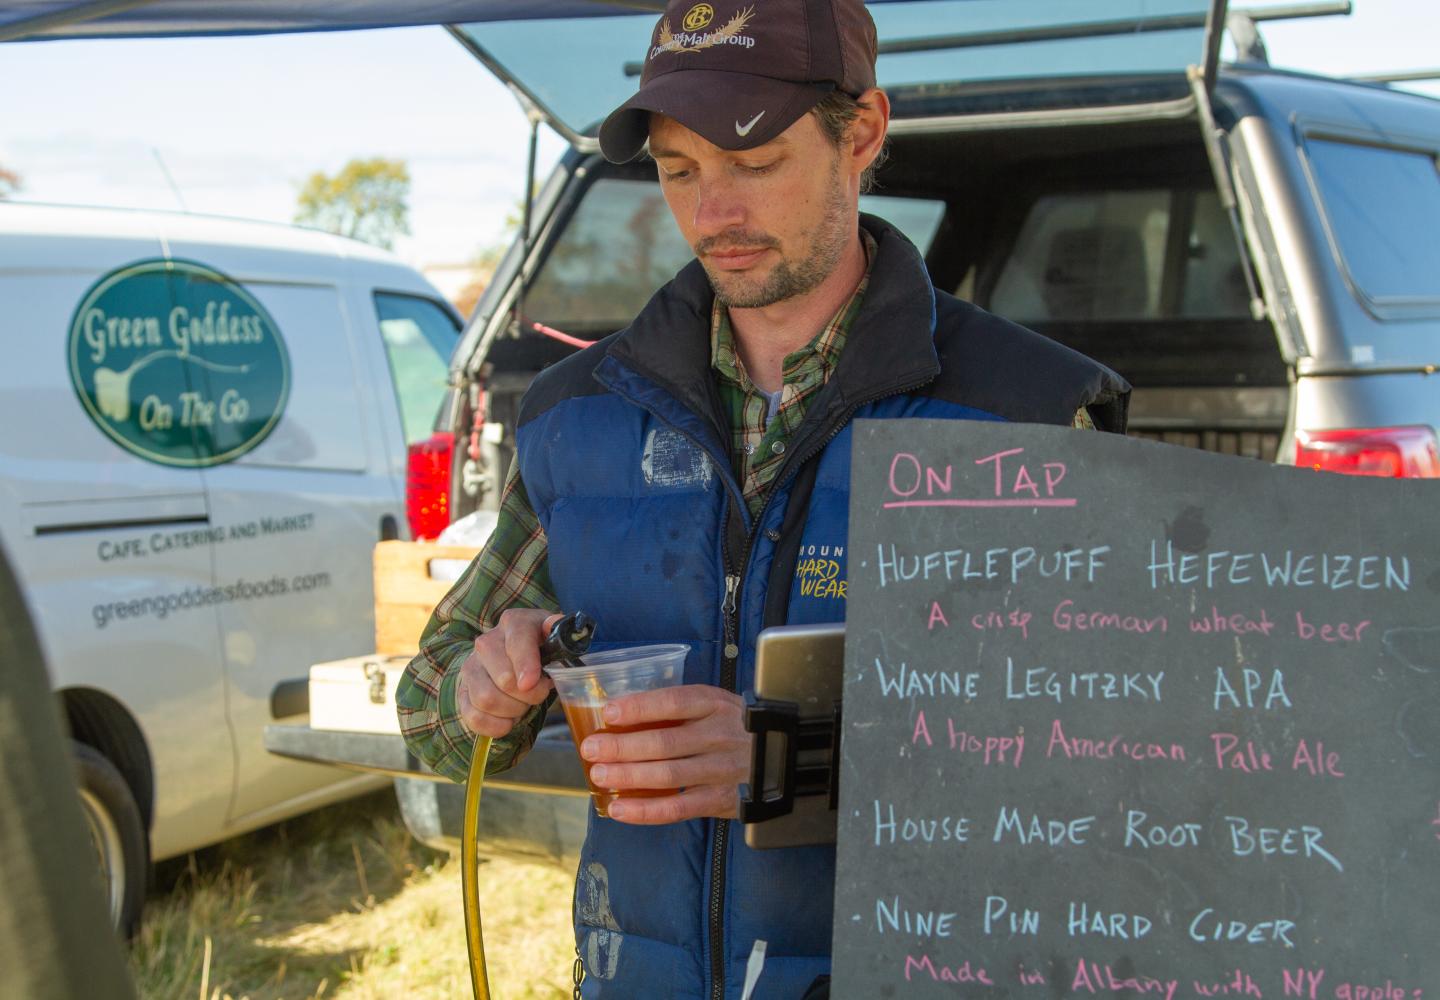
(482, 269)
(9, 182)
(486, 259)
(366, 200)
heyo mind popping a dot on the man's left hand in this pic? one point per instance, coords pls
(707, 755)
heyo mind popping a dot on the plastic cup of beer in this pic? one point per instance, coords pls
(600, 678)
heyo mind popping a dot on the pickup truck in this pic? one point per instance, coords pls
(1253, 248)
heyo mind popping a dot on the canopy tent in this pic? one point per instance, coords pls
(33, 20)
(39, 20)
(923, 42)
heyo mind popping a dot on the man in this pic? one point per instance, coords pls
(668, 478)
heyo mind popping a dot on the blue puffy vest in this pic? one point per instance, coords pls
(624, 454)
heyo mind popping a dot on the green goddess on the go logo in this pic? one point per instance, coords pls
(177, 363)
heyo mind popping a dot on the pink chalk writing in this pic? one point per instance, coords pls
(1231, 756)
(1302, 982)
(1092, 977)
(1028, 977)
(1238, 624)
(1109, 749)
(999, 619)
(1015, 484)
(1436, 821)
(1067, 619)
(1329, 633)
(964, 973)
(1053, 473)
(892, 504)
(937, 615)
(992, 748)
(1376, 991)
(1316, 760)
(1239, 984)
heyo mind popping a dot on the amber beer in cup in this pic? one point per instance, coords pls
(601, 678)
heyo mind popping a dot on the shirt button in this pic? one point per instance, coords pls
(773, 534)
(732, 651)
(778, 447)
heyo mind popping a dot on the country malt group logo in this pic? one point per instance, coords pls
(698, 17)
(693, 37)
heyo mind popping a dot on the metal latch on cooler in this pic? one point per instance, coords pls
(375, 674)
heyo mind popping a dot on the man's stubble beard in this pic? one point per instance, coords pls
(790, 278)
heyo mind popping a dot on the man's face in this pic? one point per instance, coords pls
(768, 223)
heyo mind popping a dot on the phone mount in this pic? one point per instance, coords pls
(768, 718)
(795, 715)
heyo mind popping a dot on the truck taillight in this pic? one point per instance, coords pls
(427, 484)
(1392, 452)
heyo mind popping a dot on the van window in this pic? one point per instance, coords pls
(1383, 206)
(318, 430)
(419, 339)
(622, 245)
(1123, 255)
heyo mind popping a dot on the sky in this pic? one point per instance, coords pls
(240, 123)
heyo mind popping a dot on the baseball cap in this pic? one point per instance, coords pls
(740, 72)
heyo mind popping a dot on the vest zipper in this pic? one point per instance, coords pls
(720, 828)
(732, 584)
(730, 659)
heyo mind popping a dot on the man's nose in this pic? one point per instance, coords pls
(718, 207)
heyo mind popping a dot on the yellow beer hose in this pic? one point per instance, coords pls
(569, 638)
(470, 870)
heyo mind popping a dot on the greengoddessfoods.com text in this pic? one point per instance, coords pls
(202, 597)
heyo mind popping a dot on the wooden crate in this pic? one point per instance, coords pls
(405, 592)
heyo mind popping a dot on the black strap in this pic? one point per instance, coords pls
(818, 990)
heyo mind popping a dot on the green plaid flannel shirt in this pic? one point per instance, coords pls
(511, 570)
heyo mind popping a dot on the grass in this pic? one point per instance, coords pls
(345, 903)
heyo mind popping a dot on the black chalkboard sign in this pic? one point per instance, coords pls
(1129, 720)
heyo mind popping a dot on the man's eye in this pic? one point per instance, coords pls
(674, 175)
(762, 169)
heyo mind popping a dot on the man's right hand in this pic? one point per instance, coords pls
(501, 680)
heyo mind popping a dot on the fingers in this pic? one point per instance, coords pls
(715, 734)
(510, 655)
(515, 663)
(688, 772)
(685, 701)
(712, 721)
(484, 708)
(500, 679)
(692, 803)
(708, 756)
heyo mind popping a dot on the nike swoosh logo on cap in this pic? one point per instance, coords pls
(743, 130)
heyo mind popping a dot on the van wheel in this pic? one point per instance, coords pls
(117, 835)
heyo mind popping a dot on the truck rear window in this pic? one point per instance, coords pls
(622, 245)
(1123, 255)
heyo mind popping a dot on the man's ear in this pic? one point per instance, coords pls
(867, 131)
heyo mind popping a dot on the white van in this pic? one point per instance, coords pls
(206, 431)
